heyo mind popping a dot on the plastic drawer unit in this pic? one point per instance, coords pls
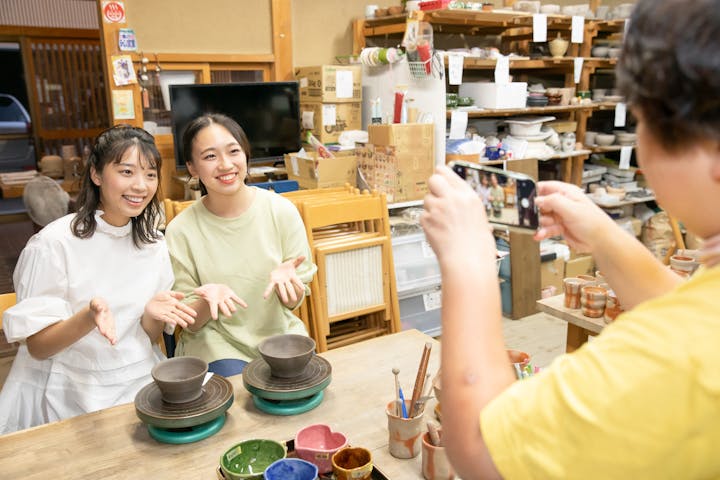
(420, 309)
(416, 265)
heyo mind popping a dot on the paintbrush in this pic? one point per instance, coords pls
(422, 370)
(398, 411)
(420, 404)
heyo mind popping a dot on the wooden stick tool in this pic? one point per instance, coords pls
(422, 370)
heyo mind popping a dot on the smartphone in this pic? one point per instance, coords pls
(509, 197)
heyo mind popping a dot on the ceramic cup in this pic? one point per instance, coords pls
(435, 464)
(317, 444)
(592, 301)
(404, 433)
(290, 469)
(352, 463)
(612, 307)
(571, 289)
(683, 263)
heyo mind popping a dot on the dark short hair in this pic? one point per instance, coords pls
(110, 146)
(670, 69)
(204, 121)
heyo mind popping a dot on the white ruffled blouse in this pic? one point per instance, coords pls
(57, 275)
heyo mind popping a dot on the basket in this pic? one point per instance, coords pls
(419, 70)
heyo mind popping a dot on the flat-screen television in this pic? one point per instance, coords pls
(269, 112)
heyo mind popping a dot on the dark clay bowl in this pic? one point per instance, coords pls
(180, 379)
(287, 354)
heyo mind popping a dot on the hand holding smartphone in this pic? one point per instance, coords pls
(509, 197)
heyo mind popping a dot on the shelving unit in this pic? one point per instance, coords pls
(515, 33)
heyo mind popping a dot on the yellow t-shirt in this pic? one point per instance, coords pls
(642, 400)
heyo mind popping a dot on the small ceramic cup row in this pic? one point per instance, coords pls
(592, 295)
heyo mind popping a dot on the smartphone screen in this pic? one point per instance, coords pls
(509, 197)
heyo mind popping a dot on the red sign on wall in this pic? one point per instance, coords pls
(113, 11)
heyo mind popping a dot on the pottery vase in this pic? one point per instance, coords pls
(558, 47)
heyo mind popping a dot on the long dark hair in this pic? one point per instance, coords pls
(110, 146)
(204, 121)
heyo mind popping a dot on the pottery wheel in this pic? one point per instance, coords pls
(259, 381)
(288, 407)
(216, 398)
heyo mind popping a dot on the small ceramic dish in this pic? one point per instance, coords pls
(180, 379)
(249, 459)
(317, 444)
(287, 354)
(604, 139)
(291, 469)
(352, 463)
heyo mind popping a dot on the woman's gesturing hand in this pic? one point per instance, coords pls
(219, 297)
(167, 307)
(286, 283)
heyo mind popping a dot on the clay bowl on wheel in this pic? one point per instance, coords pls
(180, 379)
(287, 354)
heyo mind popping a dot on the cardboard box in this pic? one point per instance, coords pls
(496, 95)
(398, 160)
(552, 274)
(328, 120)
(316, 172)
(581, 265)
(330, 83)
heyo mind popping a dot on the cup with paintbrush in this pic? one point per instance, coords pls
(405, 424)
(435, 464)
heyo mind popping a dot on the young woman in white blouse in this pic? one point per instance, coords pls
(93, 293)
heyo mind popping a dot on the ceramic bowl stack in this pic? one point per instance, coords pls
(529, 129)
(289, 378)
(177, 407)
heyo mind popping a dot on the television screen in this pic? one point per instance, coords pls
(268, 112)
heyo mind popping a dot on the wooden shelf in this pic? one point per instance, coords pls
(510, 112)
(622, 203)
(557, 156)
(522, 63)
(609, 148)
(411, 203)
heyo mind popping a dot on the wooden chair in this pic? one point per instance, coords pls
(7, 300)
(348, 233)
(174, 207)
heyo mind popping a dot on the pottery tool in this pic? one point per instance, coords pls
(398, 411)
(434, 431)
(422, 370)
(402, 403)
(420, 404)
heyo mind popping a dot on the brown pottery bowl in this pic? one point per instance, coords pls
(287, 354)
(180, 379)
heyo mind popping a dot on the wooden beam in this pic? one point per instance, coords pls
(32, 93)
(109, 47)
(22, 31)
(206, 57)
(282, 39)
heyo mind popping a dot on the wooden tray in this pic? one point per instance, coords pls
(376, 474)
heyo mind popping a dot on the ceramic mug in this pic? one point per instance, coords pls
(435, 464)
(592, 301)
(352, 463)
(404, 433)
(571, 289)
(494, 153)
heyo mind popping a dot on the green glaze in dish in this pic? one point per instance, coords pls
(249, 459)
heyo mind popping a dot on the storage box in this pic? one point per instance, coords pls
(328, 120)
(398, 160)
(496, 95)
(330, 83)
(416, 265)
(316, 172)
(420, 310)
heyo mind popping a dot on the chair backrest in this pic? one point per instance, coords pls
(174, 207)
(7, 300)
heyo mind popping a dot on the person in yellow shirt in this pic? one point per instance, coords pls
(642, 400)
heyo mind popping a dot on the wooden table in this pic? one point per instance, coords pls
(113, 443)
(579, 328)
